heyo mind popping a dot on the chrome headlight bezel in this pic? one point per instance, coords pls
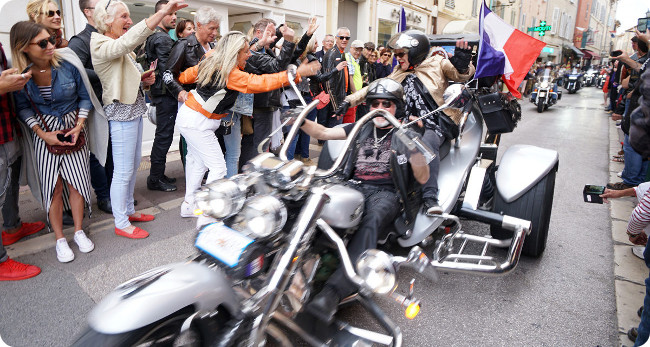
(221, 199)
(262, 217)
(377, 271)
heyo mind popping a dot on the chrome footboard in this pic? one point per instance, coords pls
(452, 254)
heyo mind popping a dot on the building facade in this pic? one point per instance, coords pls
(593, 30)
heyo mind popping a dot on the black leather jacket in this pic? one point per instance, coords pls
(265, 62)
(335, 86)
(80, 44)
(186, 53)
(158, 46)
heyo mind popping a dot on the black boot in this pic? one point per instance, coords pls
(324, 304)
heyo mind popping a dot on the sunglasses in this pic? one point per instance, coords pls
(344, 38)
(384, 103)
(43, 43)
(52, 13)
(386, 55)
(400, 54)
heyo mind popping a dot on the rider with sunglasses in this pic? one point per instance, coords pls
(47, 13)
(340, 84)
(380, 173)
(424, 81)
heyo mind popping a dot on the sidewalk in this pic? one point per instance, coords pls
(630, 272)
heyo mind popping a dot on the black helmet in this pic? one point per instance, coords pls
(414, 42)
(386, 88)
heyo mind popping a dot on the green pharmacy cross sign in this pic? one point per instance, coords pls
(541, 29)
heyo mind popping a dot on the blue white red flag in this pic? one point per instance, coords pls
(504, 50)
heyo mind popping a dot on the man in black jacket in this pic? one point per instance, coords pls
(158, 46)
(264, 61)
(188, 51)
(100, 176)
(339, 85)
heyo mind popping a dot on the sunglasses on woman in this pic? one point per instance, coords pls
(43, 43)
(400, 54)
(51, 13)
(384, 103)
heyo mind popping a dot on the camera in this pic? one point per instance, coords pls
(616, 53)
(591, 193)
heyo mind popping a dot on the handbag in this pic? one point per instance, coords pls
(500, 112)
(225, 128)
(324, 99)
(60, 149)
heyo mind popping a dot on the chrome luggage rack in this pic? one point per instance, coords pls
(447, 256)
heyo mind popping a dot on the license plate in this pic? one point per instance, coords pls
(542, 94)
(222, 243)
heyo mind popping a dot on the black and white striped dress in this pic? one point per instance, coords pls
(74, 168)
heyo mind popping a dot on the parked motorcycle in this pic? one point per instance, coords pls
(544, 95)
(280, 226)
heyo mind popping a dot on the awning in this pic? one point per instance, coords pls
(574, 49)
(590, 54)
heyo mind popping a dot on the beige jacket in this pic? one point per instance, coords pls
(434, 73)
(120, 78)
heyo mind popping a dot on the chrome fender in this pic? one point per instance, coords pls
(521, 167)
(160, 292)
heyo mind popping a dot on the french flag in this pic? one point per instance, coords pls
(504, 50)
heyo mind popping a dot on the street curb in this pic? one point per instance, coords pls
(630, 272)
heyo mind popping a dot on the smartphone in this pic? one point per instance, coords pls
(591, 193)
(615, 53)
(27, 68)
(63, 138)
(642, 25)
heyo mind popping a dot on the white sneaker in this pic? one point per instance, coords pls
(84, 243)
(638, 251)
(187, 210)
(620, 174)
(63, 251)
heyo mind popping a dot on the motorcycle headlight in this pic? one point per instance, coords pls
(544, 84)
(262, 217)
(221, 199)
(377, 271)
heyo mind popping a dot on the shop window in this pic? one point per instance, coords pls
(297, 28)
(450, 3)
(385, 30)
(244, 27)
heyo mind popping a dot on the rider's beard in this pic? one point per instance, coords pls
(380, 122)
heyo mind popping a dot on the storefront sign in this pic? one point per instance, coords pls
(548, 50)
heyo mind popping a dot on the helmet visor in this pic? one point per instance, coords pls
(402, 41)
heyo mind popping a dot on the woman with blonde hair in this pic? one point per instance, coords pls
(54, 105)
(111, 49)
(220, 78)
(47, 13)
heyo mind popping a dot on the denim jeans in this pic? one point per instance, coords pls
(644, 325)
(635, 168)
(302, 139)
(10, 161)
(98, 179)
(233, 144)
(127, 151)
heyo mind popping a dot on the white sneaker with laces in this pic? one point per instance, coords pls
(63, 252)
(84, 243)
(187, 210)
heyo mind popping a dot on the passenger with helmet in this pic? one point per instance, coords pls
(379, 173)
(424, 81)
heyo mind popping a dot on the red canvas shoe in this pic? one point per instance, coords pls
(137, 233)
(12, 270)
(25, 230)
(143, 218)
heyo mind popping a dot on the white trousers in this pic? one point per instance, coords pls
(203, 153)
